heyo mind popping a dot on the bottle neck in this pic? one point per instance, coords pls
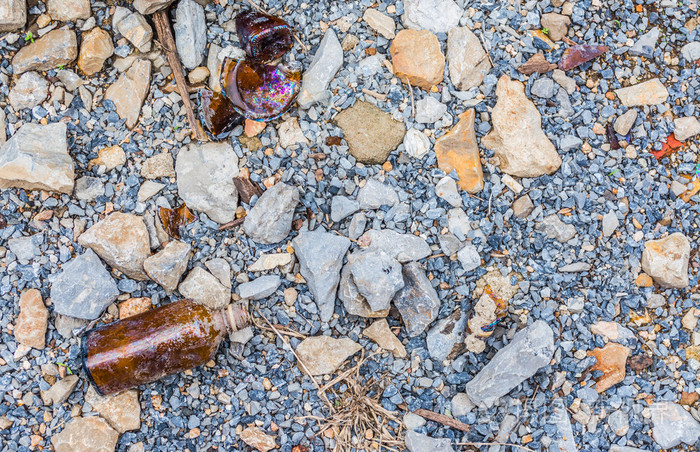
(235, 317)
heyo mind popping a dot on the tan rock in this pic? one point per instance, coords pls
(517, 137)
(270, 261)
(416, 56)
(255, 437)
(151, 6)
(36, 158)
(557, 24)
(55, 48)
(13, 15)
(130, 90)
(323, 354)
(380, 333)
(370, 132)
(60, 391)
(612, 360)
(121, 240)
(666, 260)
(109, 157)
(205, 288)
(650, 92)
(468, 62)
(136, 29)
(290, 133)
(122, 411)
(169, 264)
(537, 63)
(86, 434)
(159, 165)
(380, 22)
(134, 306)
(95, 48)
(458, 150)
(32, 321)
(68, 10)
(198, 75)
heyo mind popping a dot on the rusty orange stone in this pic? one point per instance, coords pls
(387, 166)
(134, 306)
(644, 280)
(689, 398)
(252, 128)
(417, 57)
(457, 150)
(611, 361)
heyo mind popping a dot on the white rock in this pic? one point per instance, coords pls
(30, 90)
(446, 188)
(610, 223)
(325, 64)
(429, 110)
(291, 134)
(469, 257)
(380, 22)
(650, 92)
(468, 62)
(666, 260)
(190, 33)
(686, 128)
(376, 194)
(148, 190)
(416, 143)
(438, 16)
(691, 51)
(673, 425)
(624, 122)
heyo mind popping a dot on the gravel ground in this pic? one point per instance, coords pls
(614, 201)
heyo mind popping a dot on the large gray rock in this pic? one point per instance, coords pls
(438, 16)
(554, 228)
(169, 264)
(86, 433)
(402, 247)
(320, 257)
(205, 288)
(517, 138)
(691, 51)
(467, 60)
(418, 301)
(429, 110)
(531, 349)
(666, 260)
(151, 6)
(13, 15)
(121, 239)
(377, 277)
(54, 49)
(416, 442)
(673, 425)
(83, 288)
(190, 33)
(564, 439)
(26, 248)
(30, 90)
(270, 220)
(376, 194)
(685, 128)
(342, 207)
(205, 175)
(646, 44)
(327, 60)
(259, 288)
(354, 302)
(323, 354)
(36, 158)
(446, 339)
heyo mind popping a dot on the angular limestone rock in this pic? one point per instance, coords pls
(418, 301)
(29, 91)
(446, 339)
(130, 90)
(122, 410)
(36, 158)
(167, 266)
(458, 151)
(468, 62)
(531, 349)
(205, 288)
(55, 48)
(95, 48)
(121, 239)
(13, 15)
(68, 10)
(377, 277)
(673, 425)
(651, 92)
(60, 391)
(417, 57)
(323, 354)
(666, 260)
(380, 333)
(355, 303)
(270, 220)
(327, 60)
(439, 16)
(86, 433)
(402, 247)
(320, 256)
(517, 137)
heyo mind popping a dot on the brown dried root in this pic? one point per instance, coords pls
(360, 422)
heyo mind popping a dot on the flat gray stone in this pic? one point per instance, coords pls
(554, 228)
(259, 288)
(575, 267)
(415, 442)
(403, 247)
(377, 277)
(418, 301)
(610, 223)
(691, 51)
(30, 90)
(566, 82)
(169, 264)
(151, 6)
(429, 110)
(190, 33)
(564, 438)
(530, 350)
(26, 248)
(686, 128)
(342, 207)
(320, 257)
(327, 60)
(646, 44)
(270, 220)
(673, 425)
(13, 15)
(469, 257)
(446, 339)
(84, 288)
(544, 88)
(449, 244)
(376, 194)
(623, 124)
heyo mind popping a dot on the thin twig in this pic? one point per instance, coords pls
(301, 363)
(374, 94)
(165, 36)
(442, 419)
(280, 329)
(410, 90)
(232, 224)
(496, 444)
(486, 48)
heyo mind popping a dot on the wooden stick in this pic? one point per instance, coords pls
(437, 417)
(165, 36)
(496, 444)
(232, 224)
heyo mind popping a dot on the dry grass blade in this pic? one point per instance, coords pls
(517, 446)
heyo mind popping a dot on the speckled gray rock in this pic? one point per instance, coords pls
(429, 110)
(354, 303)
(320, 257)
(205, 175)
(190, 33)
(402, 247)
(13, 15)
(36, 158)
(645, 44)
(261, 287)
(446, 188)
(342, 207)
(530, 349)
(357, 225)
(686, 128)
(134, 27)
(418, 302)
(83, 288)
(610, 223)
(327, 60)
(270, 220)
(416, 442)
(55, 48)
(89, 188)
(469, 257)
(169, 264)
(544, 88)
(554, 228)
(467, 60)
(377, 277)
(446, 339)
(26, 248)
(673, 425)
(60, 391)
(438, 16)
(220, 268)
(691, 51)
(86, 433)
(121, 239)
(618, 421)
(29, 91)
(205, 288)
(624, 122)
(666, 260)
(376, 194)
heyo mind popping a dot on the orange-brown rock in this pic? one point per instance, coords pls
(95, 48)
(134, 306)
(458, 150)
(611, 361)
(416, 56)
(252, 128)
(689, 398)
(31, 323)
(55, 48)
(644, 280)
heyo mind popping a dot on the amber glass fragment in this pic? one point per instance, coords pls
(163, 341)
(172, 219)
(576, 55)
(260, 91)
(263, 37)
(612, 137)
(217, 114)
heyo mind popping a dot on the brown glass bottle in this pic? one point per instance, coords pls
(163, 341)
(263, 37)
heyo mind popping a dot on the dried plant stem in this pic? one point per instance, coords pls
(486, 48)
(496, 444)
(410, 90)
(232, 224)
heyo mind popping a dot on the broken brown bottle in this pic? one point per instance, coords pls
(217, 114)
(263, 37)
(156, 343)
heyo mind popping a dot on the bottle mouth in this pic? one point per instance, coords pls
(237, 316)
